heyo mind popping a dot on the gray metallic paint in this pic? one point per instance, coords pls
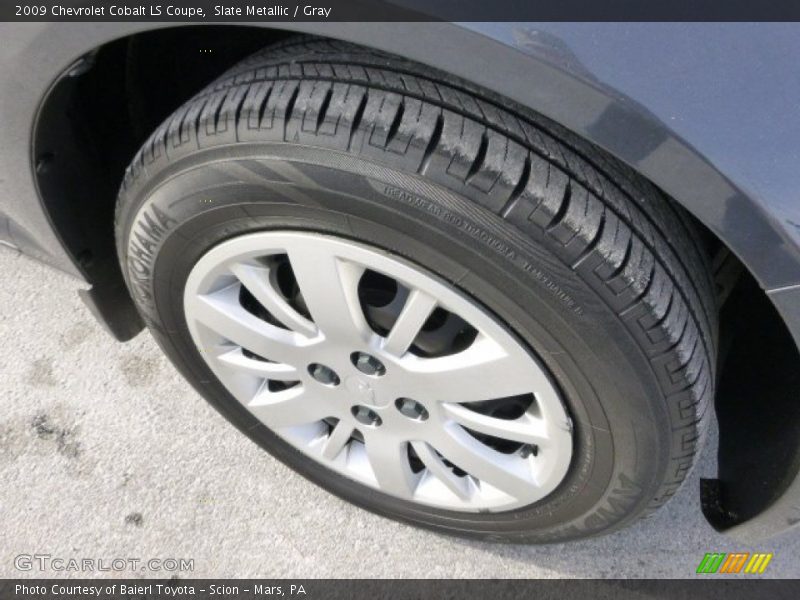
(709, 112)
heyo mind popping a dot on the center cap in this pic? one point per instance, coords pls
(361, 389)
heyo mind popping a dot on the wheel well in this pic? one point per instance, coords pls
(756, 406)
(95, 118)
(97, 115)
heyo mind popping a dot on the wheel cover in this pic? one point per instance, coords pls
(379, 370)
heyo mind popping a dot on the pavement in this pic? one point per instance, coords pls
(107, 453)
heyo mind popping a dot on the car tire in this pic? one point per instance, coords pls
(600, 278)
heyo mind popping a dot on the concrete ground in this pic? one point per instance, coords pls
(105, 452)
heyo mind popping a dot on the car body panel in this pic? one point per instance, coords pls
(708, 112)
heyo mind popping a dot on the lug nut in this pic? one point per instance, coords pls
(367, 364)
(366, 416)
(323, 374)
(411, 409)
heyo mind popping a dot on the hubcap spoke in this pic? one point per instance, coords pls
(526, 429)
(482, 372)
(390, 466)
(257, 281)
(337, 440)
(236, 360)
(287, 408)
(416, 311)
(222, 313)
(330, 289)
(458, 485)
(504, 472)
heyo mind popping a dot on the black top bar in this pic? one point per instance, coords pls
(217, 11)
